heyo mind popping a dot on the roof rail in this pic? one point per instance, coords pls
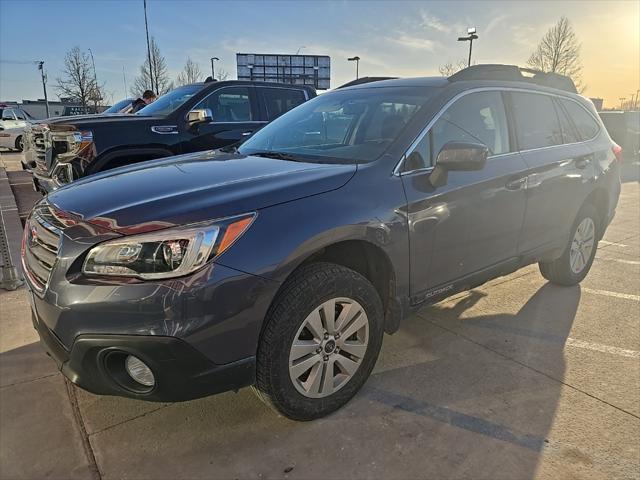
(361, 80)
(513, 73)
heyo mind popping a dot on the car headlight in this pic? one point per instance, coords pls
(165, 254)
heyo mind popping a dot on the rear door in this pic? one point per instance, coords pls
(560, 168)
(472, 222)
(277, 101)
(235, 117)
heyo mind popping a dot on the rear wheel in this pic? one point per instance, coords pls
(320, 343)
(19, 143)
(575, 262)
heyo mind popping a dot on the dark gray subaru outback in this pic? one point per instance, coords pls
(279, 264)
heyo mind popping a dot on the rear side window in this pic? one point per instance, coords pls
(228, 105)
(584, 122)
(536, 121)
(280, 100)
(569, 132)
(7, 114)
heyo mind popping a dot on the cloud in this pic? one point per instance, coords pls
(417, 43)
(433, 22)
(495, 22)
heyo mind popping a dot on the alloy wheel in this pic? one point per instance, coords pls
(582, 245)
(329, 347)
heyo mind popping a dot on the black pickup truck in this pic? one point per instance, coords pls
(191, 118)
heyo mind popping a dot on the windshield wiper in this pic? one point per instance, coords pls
(278, 155)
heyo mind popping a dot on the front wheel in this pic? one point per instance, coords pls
(575, 262)
(320, 343)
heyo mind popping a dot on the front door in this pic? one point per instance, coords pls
(473, 221)
(235, 118)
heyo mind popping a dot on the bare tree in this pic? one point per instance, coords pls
(449, 68)
(559, 52)
(221, 74)
(190, 74)
(78, 81)
(161, 82)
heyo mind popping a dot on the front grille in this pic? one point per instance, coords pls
(40, 143)
(41, 242)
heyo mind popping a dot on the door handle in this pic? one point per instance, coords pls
(582, 162)
(246, 134)
(516, 184)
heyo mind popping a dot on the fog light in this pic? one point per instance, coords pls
(139, 371)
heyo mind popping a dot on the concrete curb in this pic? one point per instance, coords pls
(10, 223)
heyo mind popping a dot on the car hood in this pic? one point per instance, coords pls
(87, 121)
(192, 188)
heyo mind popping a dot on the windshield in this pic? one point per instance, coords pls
(345, 126)
(115, 108)
(170, 101)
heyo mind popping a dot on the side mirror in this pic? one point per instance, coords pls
(458, 156)
(199, 115)
(462, 156)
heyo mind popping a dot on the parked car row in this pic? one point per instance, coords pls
(13, 124)
(279, 262)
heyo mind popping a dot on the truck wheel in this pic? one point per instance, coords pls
(321, 340)
(19, 143)
(575, 262)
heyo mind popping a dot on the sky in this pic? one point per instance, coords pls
(392, 38)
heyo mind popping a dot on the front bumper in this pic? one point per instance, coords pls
(96, 364)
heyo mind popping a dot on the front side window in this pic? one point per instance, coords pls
(585, 123)
(171, 101)
(475, 118)
(537, 123)
(345, 126)
(280, 100)
(228, 105)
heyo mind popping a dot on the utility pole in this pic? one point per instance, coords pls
(146, 27)
(471, 36)
(96, 93)
(357, 60)
(622, 99)
(124, 79)
(213, 70)
(44, 85)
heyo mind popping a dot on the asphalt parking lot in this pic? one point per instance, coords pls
(517, 379)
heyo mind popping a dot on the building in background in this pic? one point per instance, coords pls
(65, 107)
(313, 70)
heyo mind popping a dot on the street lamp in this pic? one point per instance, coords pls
(213, 70)
(357, 60)
(471, 36)
(44, 85)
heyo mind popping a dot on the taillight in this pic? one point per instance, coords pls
(617, 151)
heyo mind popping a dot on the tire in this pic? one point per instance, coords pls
(306, 298)
(19, 144)
(571, 268)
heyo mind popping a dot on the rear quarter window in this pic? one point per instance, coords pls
(585, 124)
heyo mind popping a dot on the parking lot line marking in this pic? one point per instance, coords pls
(604, 242)
(607, 293)
(598, 347)
(619, 260)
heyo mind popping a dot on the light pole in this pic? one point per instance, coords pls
(213, 70)
(622, 99)
(96, 93)
(44, 85)
(146, 27)
(357, 60)
(471, 36)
